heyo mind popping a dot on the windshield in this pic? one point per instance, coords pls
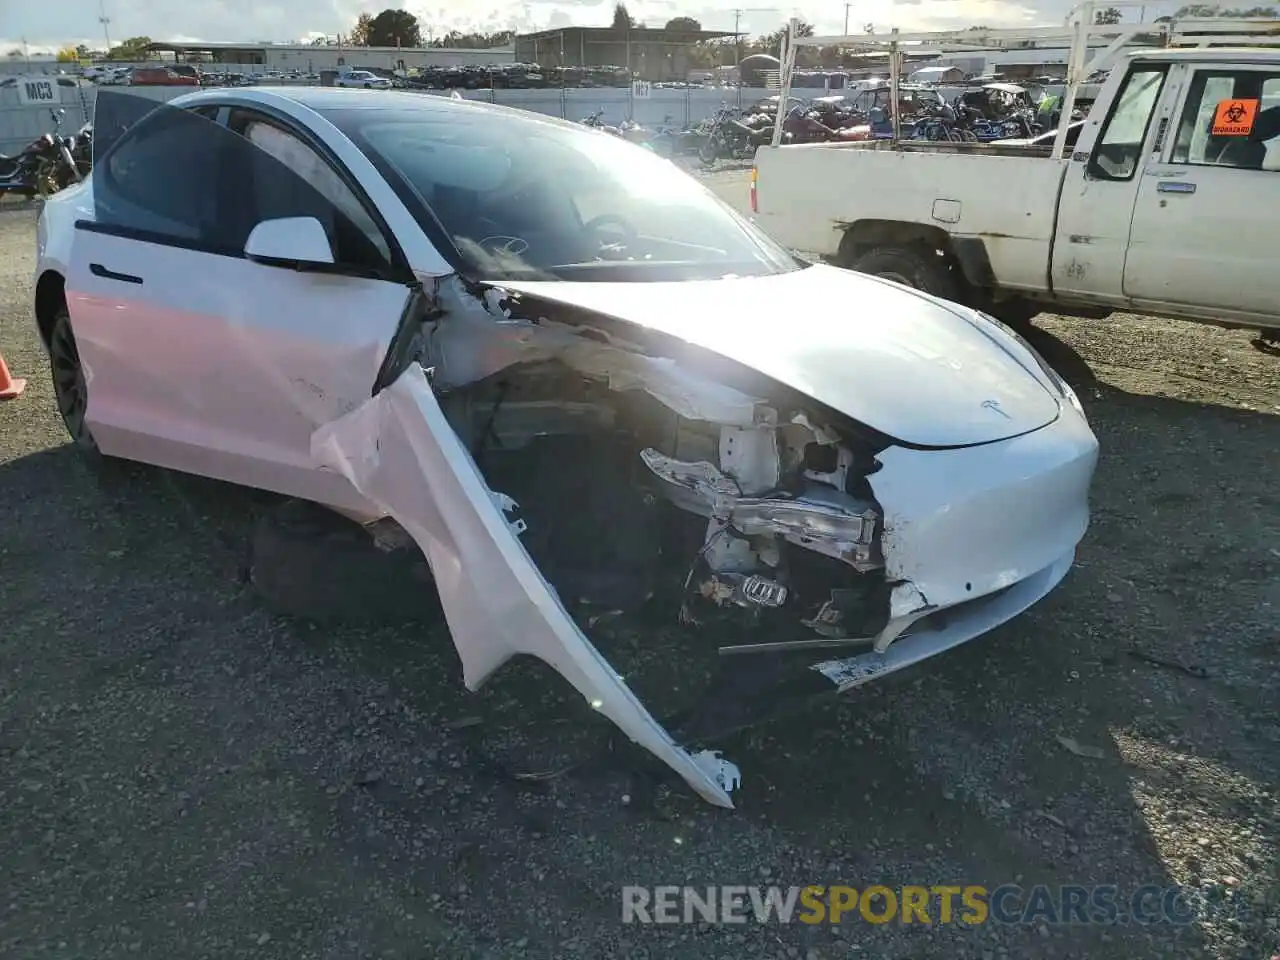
(521, 198)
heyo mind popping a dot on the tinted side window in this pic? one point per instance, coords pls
(158, 178)
(180, 178)
(1231, 118)
(356, 238)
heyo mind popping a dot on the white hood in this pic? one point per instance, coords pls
(907, 364)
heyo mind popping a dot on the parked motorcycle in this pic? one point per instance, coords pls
(81, 147)
(1018, 123)
(596, 122)
(733, 139)
(44, 166)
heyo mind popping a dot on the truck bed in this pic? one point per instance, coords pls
(807, 196)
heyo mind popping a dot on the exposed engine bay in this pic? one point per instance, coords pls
(630, 482)
(557, 463)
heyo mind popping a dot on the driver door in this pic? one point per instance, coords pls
(197, 357)
(1100, 187)
(1205, 230)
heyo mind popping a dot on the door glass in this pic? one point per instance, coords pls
(299, 157)
(1231, 118)
(180, 178)
(1120, 145)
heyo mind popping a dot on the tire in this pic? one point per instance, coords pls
(69, 387)
(311, 563)
(709, 152)
(922, 270)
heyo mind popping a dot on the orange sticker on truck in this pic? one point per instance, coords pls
(1234, 118)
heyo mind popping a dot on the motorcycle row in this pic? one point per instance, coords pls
(732, 134)
(49, 163)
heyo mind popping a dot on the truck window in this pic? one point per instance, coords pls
(1119, 147)
(1231, 118)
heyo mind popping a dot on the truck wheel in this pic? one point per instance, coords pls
(312, 563)
(911, 268)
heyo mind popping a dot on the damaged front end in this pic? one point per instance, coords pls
(552, 468)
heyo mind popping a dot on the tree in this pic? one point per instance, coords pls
(360, 32)
(622, 18)
(683, 25)
(474, 41)
(83, 52)
(1213, 10)
(1108, 16)
(67, 55)
(394, 28)
(135, 48)
(15, 54)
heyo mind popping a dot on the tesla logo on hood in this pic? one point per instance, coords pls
(995, 406)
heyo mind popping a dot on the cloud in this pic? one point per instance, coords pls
(51, 25)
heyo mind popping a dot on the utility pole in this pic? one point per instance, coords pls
(106, 24)
(846, 18)
(737, 35)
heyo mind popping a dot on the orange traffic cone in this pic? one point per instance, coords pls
(9, 387)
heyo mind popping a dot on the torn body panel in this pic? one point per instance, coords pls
(857, 541)
(400, 451)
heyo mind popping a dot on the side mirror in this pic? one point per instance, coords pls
(299, 243)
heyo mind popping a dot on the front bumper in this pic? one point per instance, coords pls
(936, 633)
(964, 523)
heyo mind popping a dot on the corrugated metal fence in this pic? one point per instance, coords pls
(21, 123)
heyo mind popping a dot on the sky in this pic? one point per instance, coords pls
(48, 26)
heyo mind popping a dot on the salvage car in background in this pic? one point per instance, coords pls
(362, 79)
(435, 310)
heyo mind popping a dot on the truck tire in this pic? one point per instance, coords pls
(922, 270)
(311, 563)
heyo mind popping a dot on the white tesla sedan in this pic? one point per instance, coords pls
(575, 377)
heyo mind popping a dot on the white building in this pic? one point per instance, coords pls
(262, 57)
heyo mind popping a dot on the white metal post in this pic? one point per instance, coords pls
(784, 81)
(1075, 67)
(895, 70)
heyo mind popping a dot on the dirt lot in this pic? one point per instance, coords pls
(185, 775)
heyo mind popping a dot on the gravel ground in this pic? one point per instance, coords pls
(185, 775)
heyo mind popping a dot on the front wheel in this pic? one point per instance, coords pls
(709, 152)
(925, 271)
(69, 387)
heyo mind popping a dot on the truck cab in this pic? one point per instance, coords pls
(1164, 201)
(1169, 202)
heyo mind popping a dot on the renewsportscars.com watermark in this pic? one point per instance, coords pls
(939, 904)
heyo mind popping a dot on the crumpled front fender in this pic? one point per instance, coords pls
(400, 452)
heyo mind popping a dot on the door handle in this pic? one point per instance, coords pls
(98, 270)
(1175, 186)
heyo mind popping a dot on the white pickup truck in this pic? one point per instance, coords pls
(1168, 202)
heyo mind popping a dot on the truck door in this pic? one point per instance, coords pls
(1095, 208)
(1205, 229)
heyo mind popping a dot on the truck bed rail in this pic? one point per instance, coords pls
(1079, 30)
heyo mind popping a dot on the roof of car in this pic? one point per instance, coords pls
(322, 99)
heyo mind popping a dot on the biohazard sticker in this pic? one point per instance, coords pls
(1234, 118)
